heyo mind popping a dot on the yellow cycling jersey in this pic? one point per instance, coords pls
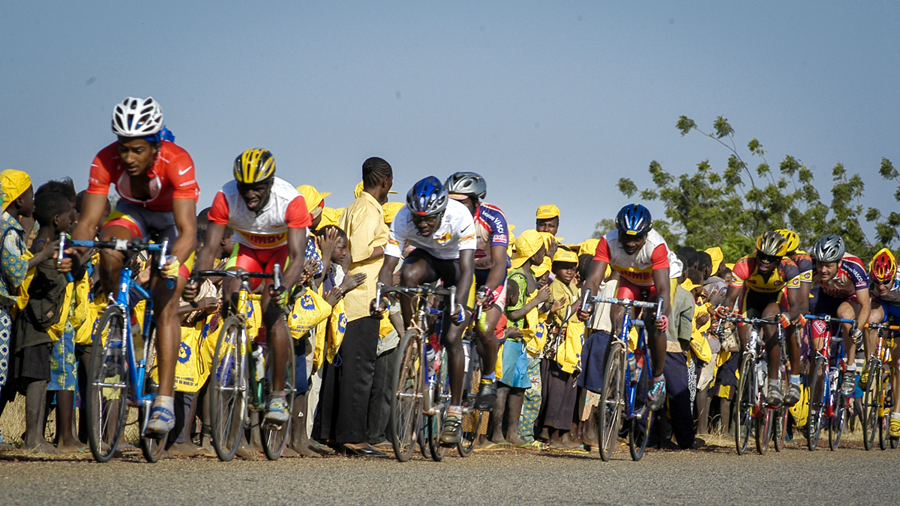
(785, 275)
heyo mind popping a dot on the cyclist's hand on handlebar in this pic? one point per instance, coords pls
(171, 267)
(378, 307)
(801, 320)
(279, 295)
(459, 314)
(584, 315)
(486, 297)
(662, 323)
(723, 312)
(785, 320)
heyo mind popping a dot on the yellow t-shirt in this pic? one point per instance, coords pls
(363, 222)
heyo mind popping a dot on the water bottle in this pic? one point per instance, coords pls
(635, 364)
(762, 371)
(259, 359)
(833, 375)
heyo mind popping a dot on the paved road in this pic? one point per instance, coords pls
(795, 476)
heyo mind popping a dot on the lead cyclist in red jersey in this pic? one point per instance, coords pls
(641, 257)
(158, 195)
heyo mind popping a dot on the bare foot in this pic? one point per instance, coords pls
(41, 446)
(304, 450)
(515, 440)
(185, 450)
(289, 453)
(247, 452)
(73, 447)
(206, 449)
(499, 440)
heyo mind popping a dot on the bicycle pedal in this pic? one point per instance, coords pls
(272, 426)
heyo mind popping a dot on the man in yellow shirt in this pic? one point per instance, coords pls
(346, 388)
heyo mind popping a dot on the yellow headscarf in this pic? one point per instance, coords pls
(13, 183)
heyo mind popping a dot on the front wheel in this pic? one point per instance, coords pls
(228, 383)
(406, 400)
(274, 439)
(743, 404)
(475, 421)
(871, 406)
(841, 412)
(152, 448)
(612, 400)
(107, 388)
(817, 384)
(434, 424)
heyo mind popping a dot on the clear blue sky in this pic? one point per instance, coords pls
(551, 101)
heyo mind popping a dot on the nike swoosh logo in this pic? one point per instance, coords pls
(183, 172)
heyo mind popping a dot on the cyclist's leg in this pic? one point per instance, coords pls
(877, 315)
(418, 268)
(451, 334)
(770, 336)
(849, 309)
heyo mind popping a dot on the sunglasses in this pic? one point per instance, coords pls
(768, 258)
(426, 219)
(883, 283)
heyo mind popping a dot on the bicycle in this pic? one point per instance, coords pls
(475, 421)
(622, 379)
(878, 397)
(240, 381)
(420, 381)
(116, 378)
(750, 406)
(827, 402)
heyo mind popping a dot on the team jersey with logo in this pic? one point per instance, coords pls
(805, 265)
(490, 230)
(850, 277)
(171, 177)
(267, 229)
(784, 275)
(455, 233)
(637, 268)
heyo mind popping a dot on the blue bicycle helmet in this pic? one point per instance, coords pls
(634, 219)
(427, 197)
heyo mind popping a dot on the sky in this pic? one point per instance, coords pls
(552, 102)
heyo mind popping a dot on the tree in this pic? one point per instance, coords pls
(886, 227)
(733, 207)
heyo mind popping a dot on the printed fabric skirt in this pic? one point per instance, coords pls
(5, 334)
(62, 362)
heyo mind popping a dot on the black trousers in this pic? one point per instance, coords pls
(346, 387)
(380, 399)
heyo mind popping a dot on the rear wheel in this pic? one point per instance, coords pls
(275, 438)
(434, 424)
(763, 421)
(228, 384)
(475, 421)
(612, 400)
(743, 404)
(107, 388)
(870, 406)
(884, 417)
(841, 411)
(406, 402)
(152, 448)
(817, 384)
(780, 415)
(639, 430)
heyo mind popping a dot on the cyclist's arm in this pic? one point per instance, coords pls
(386, 274)
(466, 273)
(497, 274)
(663, 288)
(296, 243)
(865, 304)
(731, 295)
(206, 256)
(185, 212)
(795, 301)
(92, 209)
(803, 306)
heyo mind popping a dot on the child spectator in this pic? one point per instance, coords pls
(41, 322)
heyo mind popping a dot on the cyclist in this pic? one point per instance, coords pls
(761, 282)
(885, 305)
(270, 221)
(155, 180)
(641, 257)
(805, 267)
(841, 289)
(491, 263)
(443, 232)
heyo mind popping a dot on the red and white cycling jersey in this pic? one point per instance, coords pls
(171, 177)
(637, 268)
(850, 277)
(285, 209)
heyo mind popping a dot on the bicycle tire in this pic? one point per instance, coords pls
(779, 416)
(884, 419)
(152, 448)
(474, 420)
(839, 418)
(743, 406)
(763, 421)
(275, 439)
(436, 425)
(612, 398)
(106, 405)
(817, 384)
(228, 384)
(639, 433)
(406, 385)
(870, 406)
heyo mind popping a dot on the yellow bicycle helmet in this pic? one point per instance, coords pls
(254, 166)
(793, 240)
(772, 244)
(883, 267)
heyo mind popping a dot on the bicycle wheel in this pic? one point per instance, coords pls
(406, 383)
(152, 448)
(884, 417)
(436, 422)
(841, 410)
(763, 421)
(107, 387)
(780, 415)
(817, 384)
(228, 383)
(474, 421)
(274, 439)
(743, 404)
(639, 433)
(870, 406)
(613, 399)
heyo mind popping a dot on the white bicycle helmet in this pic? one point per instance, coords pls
(137, 117)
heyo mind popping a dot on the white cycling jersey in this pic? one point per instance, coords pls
(267, 229)
(455, 233)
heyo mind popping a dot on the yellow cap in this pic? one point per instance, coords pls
(715, 253)
(359, 188)
(689, 285)
(390, 211)
(528, 243)
(13, 183)
(548, 211)
(730, 267)
(315, 201)
(564, 255)
(331, 216)
(540, 270)
(588, 247)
